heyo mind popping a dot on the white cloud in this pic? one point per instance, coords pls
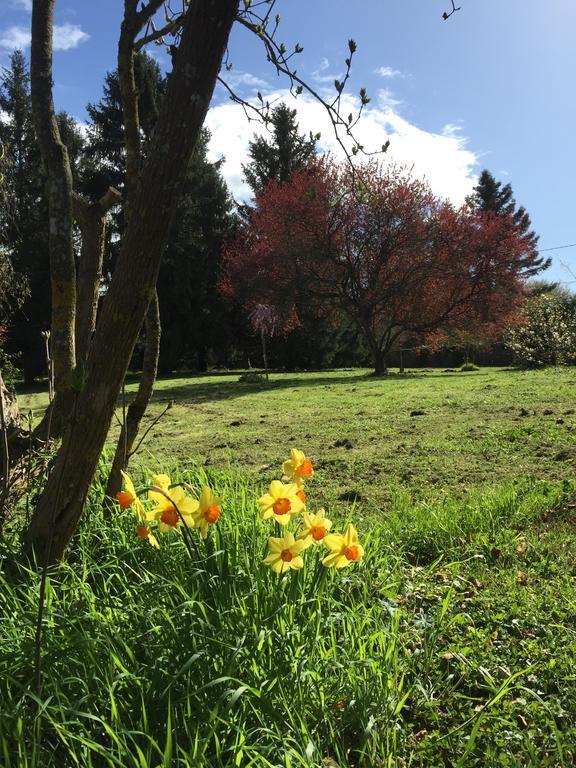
(243, 79)
(14, 37)
(387, 99)
(388, 72)
(443, 158)
(66, 36)
(323, 76)
(451, 129)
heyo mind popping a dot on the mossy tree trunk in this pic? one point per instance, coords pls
(205, 35)
(59, 189)
(131, 26)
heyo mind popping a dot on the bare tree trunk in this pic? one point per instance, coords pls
(5, 466)
(205, 34)
(91, 218)
(264, 353)
(57, 165)
(130, 113)
(138, 406)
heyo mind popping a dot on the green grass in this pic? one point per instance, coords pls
(451, 644)
(479, 429)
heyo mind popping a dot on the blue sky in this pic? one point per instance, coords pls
(492, 87)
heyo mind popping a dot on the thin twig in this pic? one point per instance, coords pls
(156, 420)
(446, 15)
(124, 431)
(5, 452)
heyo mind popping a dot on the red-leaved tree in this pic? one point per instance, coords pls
(377, 245)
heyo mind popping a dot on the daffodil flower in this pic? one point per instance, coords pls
(126, 499)
(297, 467)
(344, 548)
(128, 496)
(144, 533)
(170, 501)
(315, 527)
(284, 554)
(208, 511)
(281, 502)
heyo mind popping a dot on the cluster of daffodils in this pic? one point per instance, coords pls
(285, 502)
(168, 508)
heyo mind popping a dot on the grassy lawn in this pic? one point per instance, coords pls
(452, 643)
(479, 429)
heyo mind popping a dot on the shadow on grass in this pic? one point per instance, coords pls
(199, 391)
(224, 385)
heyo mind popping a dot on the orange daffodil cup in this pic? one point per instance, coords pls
(170, 508)
(344, 548)
(296, 468)
(284, 502)
(126, 499)
(281, 502)
(208, 511)
(315, 527)
(173, 508)
(284, 553)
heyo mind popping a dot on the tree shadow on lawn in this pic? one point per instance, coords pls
(197, 391)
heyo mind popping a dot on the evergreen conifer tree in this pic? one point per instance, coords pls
(24, 217)
(287, 150)
(490, 195)
(193, 317)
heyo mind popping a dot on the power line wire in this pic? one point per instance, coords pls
(557, 248)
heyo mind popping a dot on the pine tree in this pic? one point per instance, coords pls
(490, 195)
(105, 153)
(195, 320)
(285, 152)
(24, 217)
(193, 317)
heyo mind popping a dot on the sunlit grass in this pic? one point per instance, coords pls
(451, 643)
(151, 660)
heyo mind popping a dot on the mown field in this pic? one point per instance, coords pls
(452, 643)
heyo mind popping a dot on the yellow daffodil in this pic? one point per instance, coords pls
(208, 511)
(284, 553)
(161, 481)
(344, 548)
(281, 502)
(315, 527)
(297, 467)
(128, 496)
(144, 533)
(165, 510)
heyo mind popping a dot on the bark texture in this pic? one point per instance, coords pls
(131, 26)
(91, 218)
(138, 406)
(57, 165)
(204, 38)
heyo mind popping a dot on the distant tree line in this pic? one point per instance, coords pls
(202, 324)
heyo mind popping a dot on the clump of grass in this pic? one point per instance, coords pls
(252, 377)
(469, 367)
(152, 660)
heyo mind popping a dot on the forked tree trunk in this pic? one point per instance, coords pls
(137, 407)
(204, 38)
(91, 218)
